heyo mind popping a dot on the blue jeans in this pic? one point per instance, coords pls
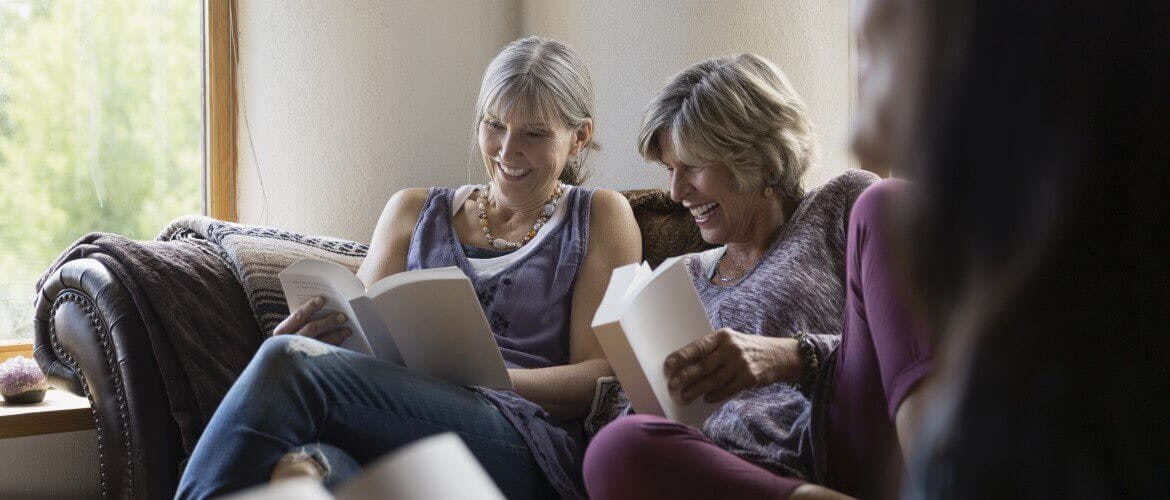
(298, 392)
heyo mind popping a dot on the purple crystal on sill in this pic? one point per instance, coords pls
(20, 374)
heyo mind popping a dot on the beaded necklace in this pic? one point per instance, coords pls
(550, 207)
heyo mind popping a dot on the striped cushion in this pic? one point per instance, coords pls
(257, 253)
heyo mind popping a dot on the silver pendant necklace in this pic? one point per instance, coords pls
(723, 279)
(719, 274)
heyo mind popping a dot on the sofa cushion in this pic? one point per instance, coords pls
(256, 254)
(668, 229)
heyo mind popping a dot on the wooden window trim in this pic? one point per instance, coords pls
(11, 349)
(220, 107)
(60, 412)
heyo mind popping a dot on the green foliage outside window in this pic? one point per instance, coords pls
(100, 130)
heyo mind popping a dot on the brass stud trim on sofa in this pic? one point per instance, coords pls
(96, 322)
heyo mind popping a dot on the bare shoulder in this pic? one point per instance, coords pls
(388, 245)
(608, 203)
(612, 225)
(402, 210)
(407, 199)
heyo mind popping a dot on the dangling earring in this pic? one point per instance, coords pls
(768, 191)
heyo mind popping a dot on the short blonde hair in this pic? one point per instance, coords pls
(737, 111)
(544, 79)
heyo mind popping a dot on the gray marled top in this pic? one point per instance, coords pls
(798, 285)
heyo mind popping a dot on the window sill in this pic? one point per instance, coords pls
(61, 411)
(10, 349)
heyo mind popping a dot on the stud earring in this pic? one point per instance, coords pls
(768, 191)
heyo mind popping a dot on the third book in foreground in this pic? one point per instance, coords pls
(437, 467)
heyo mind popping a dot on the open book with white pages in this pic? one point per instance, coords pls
(645, 316)
(428, 320)
(436, 467)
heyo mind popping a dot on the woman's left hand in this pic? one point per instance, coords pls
(726, 361)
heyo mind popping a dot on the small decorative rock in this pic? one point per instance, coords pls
(21, 381)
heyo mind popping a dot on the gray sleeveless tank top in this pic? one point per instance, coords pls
(527, 305)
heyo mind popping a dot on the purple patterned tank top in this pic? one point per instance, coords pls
(527, 305)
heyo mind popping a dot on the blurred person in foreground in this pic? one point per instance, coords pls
(1023, 125)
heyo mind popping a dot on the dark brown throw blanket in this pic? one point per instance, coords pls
(197, 318)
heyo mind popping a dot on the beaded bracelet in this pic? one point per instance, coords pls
(809, 359)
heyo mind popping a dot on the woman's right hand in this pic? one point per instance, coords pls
(720, 364)
(329, 328)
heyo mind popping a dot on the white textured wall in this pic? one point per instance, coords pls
(633, 48)
(61, 465)
(349, 101)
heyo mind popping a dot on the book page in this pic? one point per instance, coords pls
(309, 278)
(437, 467)
(407, 277)
(608, 329)
(374, 331)
(613, 303)
(439, 327)
(641, 277)
(662, 318)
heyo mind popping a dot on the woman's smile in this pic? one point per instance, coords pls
(512, 174)
(702, 213)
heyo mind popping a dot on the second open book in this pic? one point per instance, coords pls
(645, 316)
(428, 320)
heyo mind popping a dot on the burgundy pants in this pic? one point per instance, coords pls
(882, 355)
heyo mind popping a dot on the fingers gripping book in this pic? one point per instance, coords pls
(427, 320)
(645, 316)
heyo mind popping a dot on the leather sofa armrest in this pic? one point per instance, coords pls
(90, 339)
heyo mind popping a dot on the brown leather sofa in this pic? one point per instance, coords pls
(90, 340)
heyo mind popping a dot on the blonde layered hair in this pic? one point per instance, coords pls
(543, 79)
(739, 112)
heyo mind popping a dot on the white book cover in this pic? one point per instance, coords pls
(644, 317)
(428, 320)
(436, 467)
(301, 488)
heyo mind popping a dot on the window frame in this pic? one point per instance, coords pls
(219, 124)
(12, 349)
(220, 54)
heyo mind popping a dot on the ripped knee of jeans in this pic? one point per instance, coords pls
(303, 461)
(306, 347)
